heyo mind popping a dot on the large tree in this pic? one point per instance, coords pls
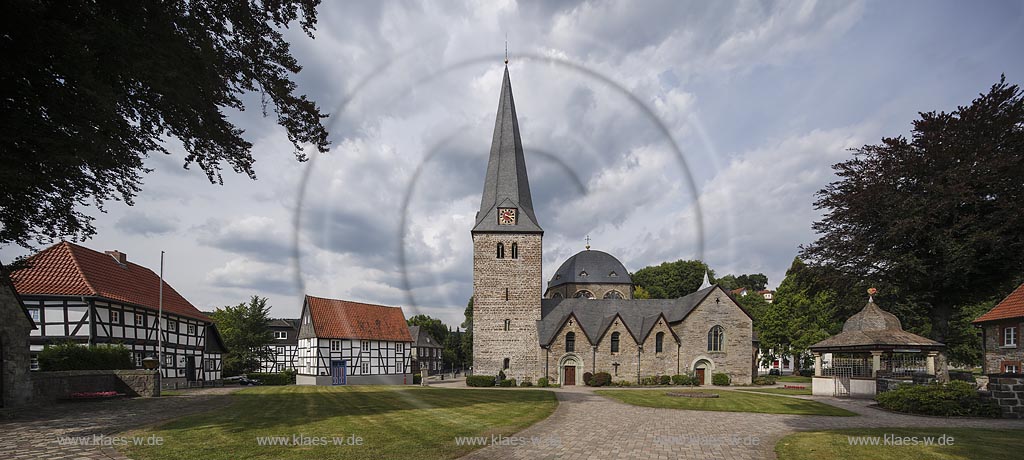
(754, 282)
(246, 335)
(671, 280)
(937, 216)
(89, 89)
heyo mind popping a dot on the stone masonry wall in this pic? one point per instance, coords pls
(736, 356)
(14, 331)
(50, 387)
(626, 357)
(522, 278)
(996, 354)
(1008, 392)
(665, 363)
(556, 352)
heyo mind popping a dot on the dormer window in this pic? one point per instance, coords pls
(280, 335)
(613, 275)
(583, 274)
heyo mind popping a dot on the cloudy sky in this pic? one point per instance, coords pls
(663, 130)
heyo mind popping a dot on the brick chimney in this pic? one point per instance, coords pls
(119, 256)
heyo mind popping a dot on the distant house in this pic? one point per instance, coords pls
(769, 296)
(78, 294)
(426, 351)
(352, 343)
(285, 347)
(739, 292)
(1000, 334)
(15, 325)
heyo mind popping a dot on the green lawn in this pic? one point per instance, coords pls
(781, 391)
(728, 401)
(793, 379)
(968, 443)
(392, 422)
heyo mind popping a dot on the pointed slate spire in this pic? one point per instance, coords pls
(706, 283)
(506, 184)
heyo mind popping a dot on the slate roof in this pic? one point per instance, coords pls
(289, 325)
(506, 183)
(67, 269)
(874, 329)
(214, 342)
(1011, 307)
(342, 319)
(594, 316)
(422, 339)
(598, 265)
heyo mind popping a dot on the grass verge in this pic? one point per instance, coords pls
(728, 401)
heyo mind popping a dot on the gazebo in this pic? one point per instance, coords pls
(872, 348)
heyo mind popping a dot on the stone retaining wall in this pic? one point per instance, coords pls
(50, 387)
(1009, 393)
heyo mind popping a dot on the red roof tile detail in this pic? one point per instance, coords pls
(341, 319)
(1011, 307)
(67, 269)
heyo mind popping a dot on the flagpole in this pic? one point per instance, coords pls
(159, 321)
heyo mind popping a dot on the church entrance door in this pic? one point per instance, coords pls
(570, 375)
(700, 376)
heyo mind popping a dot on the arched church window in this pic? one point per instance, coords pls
(504, 364)
(716, 338)
(583, 294)
(557, 295)
(659, 342)
(570, 342)
(615, 342)
(613, 294)
(515, 251)
(501, 251)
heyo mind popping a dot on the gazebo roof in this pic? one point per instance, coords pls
(874, 329)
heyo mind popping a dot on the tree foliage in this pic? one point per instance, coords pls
(937, 216)
(672, 280)
(246, 335)
(753, 282)
(91, 88)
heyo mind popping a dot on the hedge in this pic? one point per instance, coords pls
(526, 383)
(271, 378)
(600, 379)
(70, 356)
(953, 399)
(586, 378)
(665, 380)
(765, 380)
(480, 381)
(542, 382)
(507, 383)
(720, 379)
(680, 379)
(416, 379)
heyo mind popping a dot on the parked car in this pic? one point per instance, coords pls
(242, 380)
(774, 372)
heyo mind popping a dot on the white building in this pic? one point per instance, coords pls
(352, 343)
(77, 294)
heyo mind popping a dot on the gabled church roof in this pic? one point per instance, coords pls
(595, 316)
(506, 184)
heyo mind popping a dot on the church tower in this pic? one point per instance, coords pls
(507, 257)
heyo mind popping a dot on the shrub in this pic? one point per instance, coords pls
(480, 381)
(765, 380)
(586, 378)
(953, 399)
(678, 379)
(542, 382)
(271, 378)
(665, 380)
(501, 375)
(291, 373)
(720, 379)
(70, 356)
(417, 379)
(507, 383)
(807, 372)
(526, 383)
(649, 381)
(623, 383)
(601, 379)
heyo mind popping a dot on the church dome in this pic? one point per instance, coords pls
(590, 266)
(872, 318)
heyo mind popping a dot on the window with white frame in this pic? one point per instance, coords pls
(280, 350)
(335, 345)
(1010, 336)
(400, 348)
(192, 329)
(115, 317)
(169, 360)
(280, 335)
(400, 367)
(211, 365)
(364, 368)
(365, 345)
(33, 362)
(34, 313)
(172, 326)
(139, 356)
(1009, 368)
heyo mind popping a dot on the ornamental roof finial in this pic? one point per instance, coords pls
(871, 294)
(588, 242)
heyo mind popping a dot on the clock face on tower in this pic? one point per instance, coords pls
(506, 216)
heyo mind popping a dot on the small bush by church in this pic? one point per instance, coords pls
(721, 380)
(480, 381)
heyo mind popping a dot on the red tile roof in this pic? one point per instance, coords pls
(67, 269)
(341, 319)
(1011, 307)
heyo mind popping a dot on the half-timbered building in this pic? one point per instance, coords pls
(285, 349)
(93, 298)
(352, 343)
(426, 351)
